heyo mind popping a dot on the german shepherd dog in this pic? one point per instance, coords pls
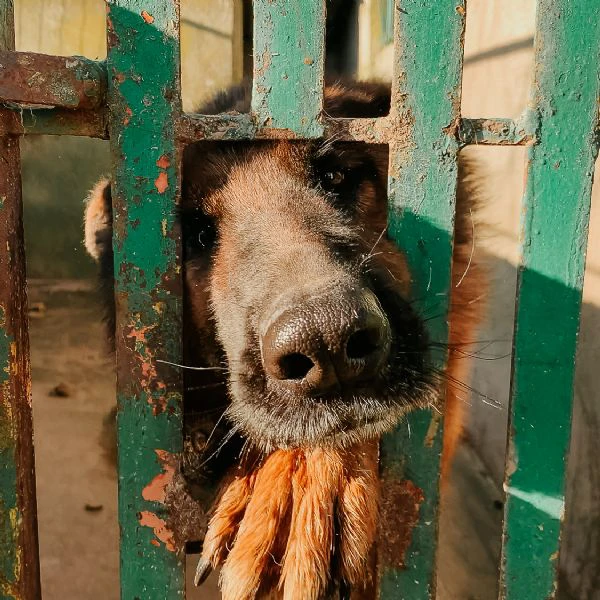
(300, 309)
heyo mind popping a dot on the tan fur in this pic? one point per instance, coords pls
(224, 524)
(251, 552)
(286, 544)
(96, 218)
(358, 512)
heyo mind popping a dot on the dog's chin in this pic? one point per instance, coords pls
(312, 423)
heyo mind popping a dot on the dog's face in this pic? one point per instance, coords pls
(289, 269)
(293, 286)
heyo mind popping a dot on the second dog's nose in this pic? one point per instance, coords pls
(328, 342)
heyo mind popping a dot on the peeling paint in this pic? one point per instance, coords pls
(155, 491)
(161, 183)
(148, 18)
(159, 526)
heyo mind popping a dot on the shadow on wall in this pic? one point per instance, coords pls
(57, 173)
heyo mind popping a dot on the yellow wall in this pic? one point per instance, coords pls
(210, 38)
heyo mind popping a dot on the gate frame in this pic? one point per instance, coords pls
(134, 99)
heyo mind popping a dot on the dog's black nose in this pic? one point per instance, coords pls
(328, 342)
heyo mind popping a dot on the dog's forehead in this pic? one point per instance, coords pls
(215, 172)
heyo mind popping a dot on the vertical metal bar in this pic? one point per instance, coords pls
(289, 51)
(422, 192)
(144, 99)
(19, 565)
(556, 207)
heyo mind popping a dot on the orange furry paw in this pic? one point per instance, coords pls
(294, 525)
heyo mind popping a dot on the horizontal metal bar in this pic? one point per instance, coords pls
(194, 127)
(55, 121)
(383, 130)
(62, 81)
(496, 132)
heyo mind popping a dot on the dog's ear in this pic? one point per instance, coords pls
(98, 220)
(98, 227)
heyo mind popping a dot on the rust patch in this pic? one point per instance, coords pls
(161, 183)
(70, 82)
(148, 18)
(154, 389)
(163, 162)
(400, 505)
(128, 113)
(159, 526)
(156, 490)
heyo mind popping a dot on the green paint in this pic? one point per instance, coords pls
(9, 543)
(143, 67)
(422, 191)
(288, 65)
(556, 206)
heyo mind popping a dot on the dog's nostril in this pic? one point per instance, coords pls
(362, 343)
(295, 366)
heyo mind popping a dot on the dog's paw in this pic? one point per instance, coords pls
(295, 524)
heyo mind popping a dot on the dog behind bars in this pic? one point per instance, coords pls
(299, 311)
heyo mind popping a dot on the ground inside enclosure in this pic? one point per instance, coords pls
(73, 392)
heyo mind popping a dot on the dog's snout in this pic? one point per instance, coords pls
(327, 343)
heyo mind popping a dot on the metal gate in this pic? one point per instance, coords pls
(134, 98)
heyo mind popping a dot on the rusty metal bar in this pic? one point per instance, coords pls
(289, 56)
(556, 210)
(144, 99)
(422, 185)
(62, 81)
(55, 121)
(19, 564)
(195, 127)
(497, 132)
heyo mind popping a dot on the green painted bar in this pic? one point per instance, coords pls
(556, 208)
(19, 565)
(422, 191)
(289, 46)
(144, 101)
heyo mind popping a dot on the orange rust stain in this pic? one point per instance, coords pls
(156, 490)
(147, 17)
(128, 113)
(161, 182)
(163, 162)
(155, 543)
(149, 382)
(159, 526)
(139, 335)
(400, 505)
(460, 10)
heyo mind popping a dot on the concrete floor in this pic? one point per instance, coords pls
(77, 492)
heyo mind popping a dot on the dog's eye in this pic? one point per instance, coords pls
(334, 178)
(199, 233)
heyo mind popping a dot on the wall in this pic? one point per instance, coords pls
(57, 172)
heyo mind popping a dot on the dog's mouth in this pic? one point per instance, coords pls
(272, 417)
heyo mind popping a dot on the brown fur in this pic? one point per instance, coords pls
(304, 517)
